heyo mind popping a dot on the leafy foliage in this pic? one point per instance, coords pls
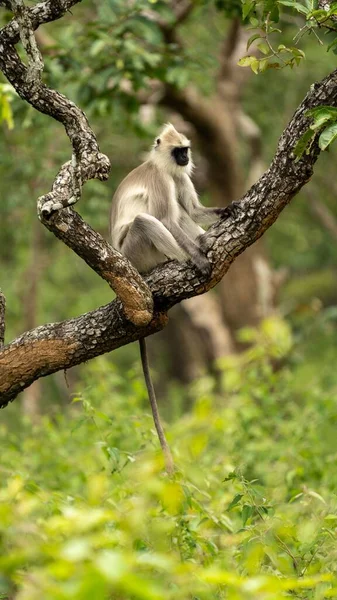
(86, 511)
(323, 127)
(267, 17)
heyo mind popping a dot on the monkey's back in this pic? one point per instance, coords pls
(141, 191)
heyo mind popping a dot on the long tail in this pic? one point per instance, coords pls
(154, 407)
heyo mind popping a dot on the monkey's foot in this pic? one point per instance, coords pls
(203, 265)
(229, 211)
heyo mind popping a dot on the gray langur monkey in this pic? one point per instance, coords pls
(156, 216)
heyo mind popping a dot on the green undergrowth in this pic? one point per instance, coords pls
(87, 512)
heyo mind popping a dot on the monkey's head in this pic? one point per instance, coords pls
(172, 151)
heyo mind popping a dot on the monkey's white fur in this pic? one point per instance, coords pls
(156, 212)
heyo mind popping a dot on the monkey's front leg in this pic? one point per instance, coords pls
(190, 247)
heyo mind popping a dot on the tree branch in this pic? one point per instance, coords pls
(44, 12)
(58, 346)
(35, 65)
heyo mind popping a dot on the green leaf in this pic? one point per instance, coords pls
(303, 142)
(320, 117)
(246, 61)
(6, 112)
(146, 29)
(270, 8)
(263, 65)
(254, 65)
(327, 136)
(263, 47)
(235, 501)
(314, 111)
(252, 39)
(295, 5)
(297, 52)
(247, 8)
(247, 512)
(333, 44)
(318, 14)
(231, 475)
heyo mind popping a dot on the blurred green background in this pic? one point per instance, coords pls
(246, 375)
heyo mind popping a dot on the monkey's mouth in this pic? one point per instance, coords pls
(182, 162)
(180, 155)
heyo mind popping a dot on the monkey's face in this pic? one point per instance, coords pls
(172, 152)
(181, 155)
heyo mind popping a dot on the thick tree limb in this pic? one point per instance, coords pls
(57, 346)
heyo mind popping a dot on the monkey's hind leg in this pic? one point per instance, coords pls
(148, 243)
(154, 407)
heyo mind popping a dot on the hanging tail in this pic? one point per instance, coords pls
(154, 407)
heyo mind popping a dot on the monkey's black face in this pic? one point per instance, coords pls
(180, 155)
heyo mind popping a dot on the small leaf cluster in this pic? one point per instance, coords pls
(323, 129)
(267, 17)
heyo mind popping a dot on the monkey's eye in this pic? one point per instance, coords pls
(158, 141)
